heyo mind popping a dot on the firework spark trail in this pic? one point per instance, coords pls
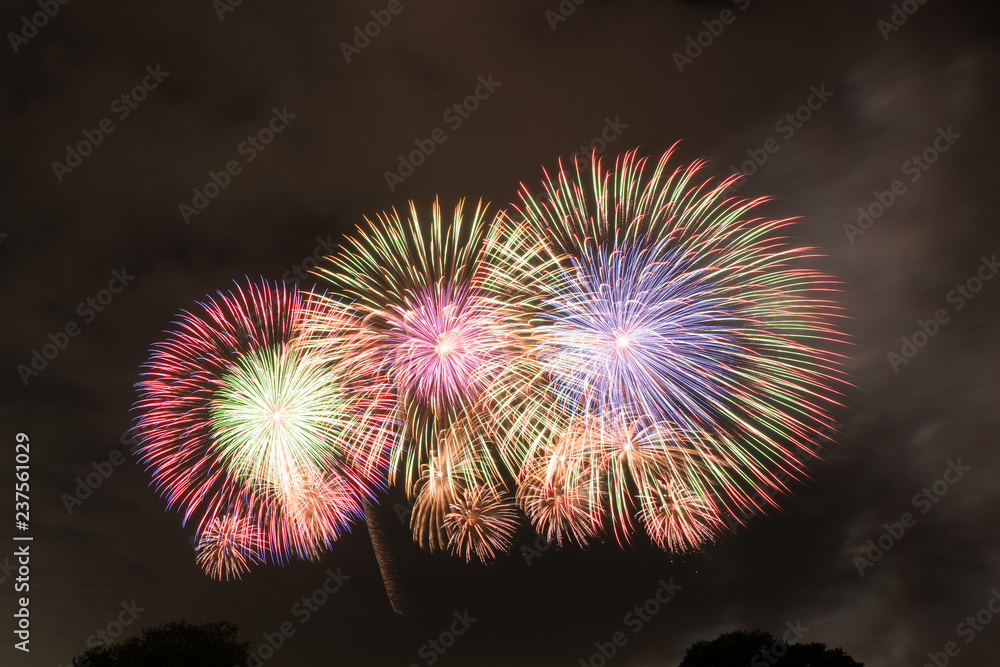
(241, 418)
(680, 334)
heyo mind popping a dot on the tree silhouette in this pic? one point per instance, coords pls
(759, 648)
(178, 643)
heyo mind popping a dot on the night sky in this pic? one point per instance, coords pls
(215, 74)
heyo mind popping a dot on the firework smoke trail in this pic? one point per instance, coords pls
(677, 342)
(378, 529)
(248, 433)
(439, 335)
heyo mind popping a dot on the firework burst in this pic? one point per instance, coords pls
(555, 489)
(237, 413)
(676, 518)
(449, 471)
(632, 345)
(229, 546)
(317, 506)
(671, 328)
(481, 521)
(437, 333)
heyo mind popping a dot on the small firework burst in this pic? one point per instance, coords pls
(676, 518)
(318, 506)
(481, 522)
(450, 470)
(229, 546)
(556, 490)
